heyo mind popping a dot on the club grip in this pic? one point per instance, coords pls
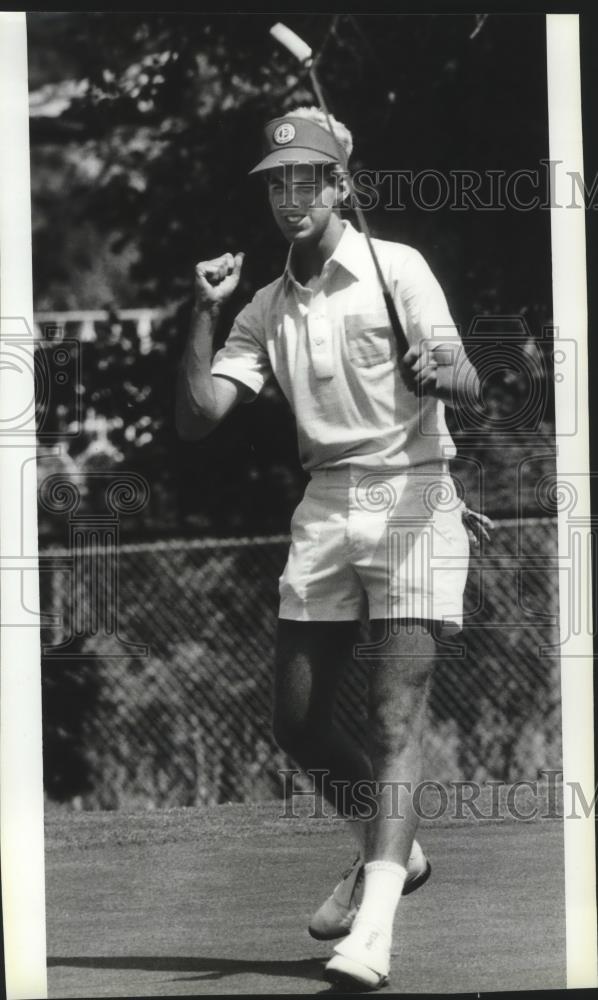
(397, 329)
(291, 41)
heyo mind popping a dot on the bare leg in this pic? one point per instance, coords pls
(399, 689)
(309, 659)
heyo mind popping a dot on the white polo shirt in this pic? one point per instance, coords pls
(331, 349)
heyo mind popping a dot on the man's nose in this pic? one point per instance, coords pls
(294, 197)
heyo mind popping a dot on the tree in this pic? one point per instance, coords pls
(151, 121)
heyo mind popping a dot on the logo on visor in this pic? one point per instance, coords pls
(284, 133)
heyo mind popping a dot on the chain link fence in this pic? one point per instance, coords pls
(188, 721)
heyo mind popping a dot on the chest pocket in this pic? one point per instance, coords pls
(369, 338)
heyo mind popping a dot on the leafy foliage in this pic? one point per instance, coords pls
(144, 127)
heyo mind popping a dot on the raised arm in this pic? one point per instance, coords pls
(203, 400)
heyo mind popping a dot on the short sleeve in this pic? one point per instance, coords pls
(244, 356)
(424, 303)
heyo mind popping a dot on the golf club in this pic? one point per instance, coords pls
(303, 53)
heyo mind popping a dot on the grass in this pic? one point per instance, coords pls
(189, 902)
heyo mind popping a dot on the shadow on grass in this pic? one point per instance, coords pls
(204, 968)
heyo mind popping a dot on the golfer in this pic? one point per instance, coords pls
(378, 535)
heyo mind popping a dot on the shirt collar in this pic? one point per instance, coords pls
(349, 253)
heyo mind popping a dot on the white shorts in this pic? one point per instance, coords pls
(369, 544)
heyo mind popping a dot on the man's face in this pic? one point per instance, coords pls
(302, 197)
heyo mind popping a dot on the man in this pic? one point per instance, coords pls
(378, 533)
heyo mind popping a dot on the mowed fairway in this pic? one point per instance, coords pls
(188, 902)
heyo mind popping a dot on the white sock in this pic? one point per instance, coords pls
(383, 886)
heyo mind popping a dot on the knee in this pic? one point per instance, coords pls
(392, 730)
(398, 710)
(387, 736)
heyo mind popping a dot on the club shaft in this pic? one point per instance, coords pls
(401, 339)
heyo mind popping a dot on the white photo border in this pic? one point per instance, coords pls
(21, 774)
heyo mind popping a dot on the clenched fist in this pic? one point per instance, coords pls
(216, 279)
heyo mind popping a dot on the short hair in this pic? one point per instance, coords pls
(317, 116)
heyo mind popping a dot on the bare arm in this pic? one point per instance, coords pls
(203, 400)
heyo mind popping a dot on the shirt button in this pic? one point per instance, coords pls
(318, 340)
